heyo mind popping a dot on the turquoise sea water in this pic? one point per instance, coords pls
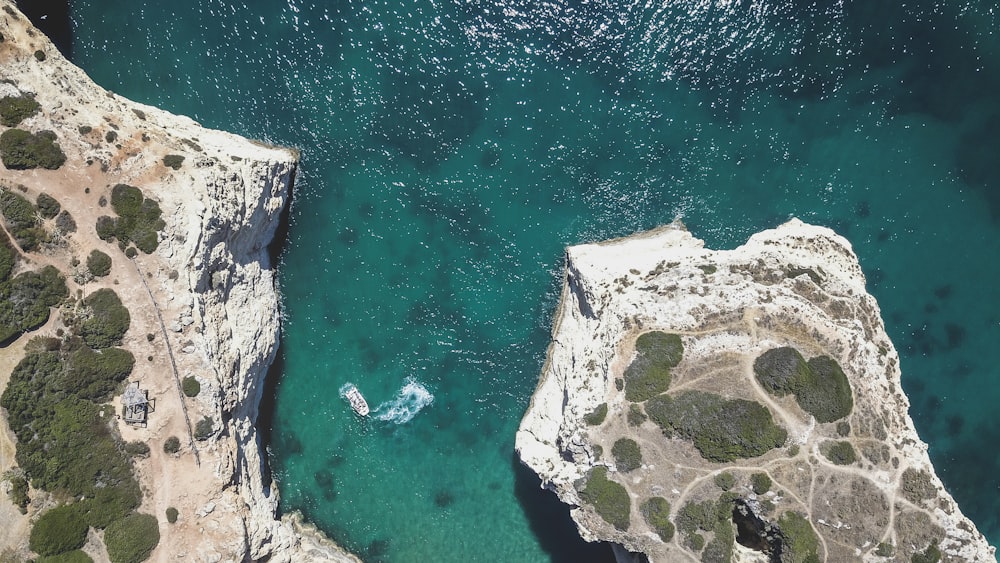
(451, 149)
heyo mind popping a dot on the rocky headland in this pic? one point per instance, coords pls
(740, 405)
(203, 302)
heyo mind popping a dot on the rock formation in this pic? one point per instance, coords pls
(203, 305)
(734, 405)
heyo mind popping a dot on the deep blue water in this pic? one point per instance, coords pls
(451, 149)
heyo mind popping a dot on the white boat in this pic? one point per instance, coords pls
(357, 400)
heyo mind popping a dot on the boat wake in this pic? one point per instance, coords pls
(409, 401)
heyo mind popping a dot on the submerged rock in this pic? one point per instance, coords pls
(767, 363)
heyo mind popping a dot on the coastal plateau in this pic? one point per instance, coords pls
(735, 405)
(184, 246)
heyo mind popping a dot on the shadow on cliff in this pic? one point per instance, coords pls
(52, 18)
(550, 521)
(266, 408)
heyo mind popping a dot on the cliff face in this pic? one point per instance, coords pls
(795, 293)
(204, 304)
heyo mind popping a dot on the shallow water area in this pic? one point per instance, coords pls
(452, 149)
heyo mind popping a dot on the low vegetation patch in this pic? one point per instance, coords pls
(138, 220)
(819, 385)
(627, 454)
(930, 555)
(725, 480)
(107, 322)
(132, 539)
(21, 150)
(760, 482)
(721, 429)
(21, 219)
(656, 512)
(916, 485)
(203, 430)
(609, 499)
(18, 484)
(840, 453)
(173, 161)
(48, 206)
(98, 263)
(800, 540)
(191, 386)
(172, 515)
(15, 109)
(709, 516)
(649, 373)
(26, 300)
(597, 416)
(171, 445)
(57, 531)
(635, 415)
(65, 443)
(75, 556)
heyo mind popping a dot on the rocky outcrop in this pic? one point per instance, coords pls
(203, 305)
(795, 287)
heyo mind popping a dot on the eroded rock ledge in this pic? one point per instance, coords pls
(210, 281)
(657, 420)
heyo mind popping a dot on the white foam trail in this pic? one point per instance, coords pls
(410, 399)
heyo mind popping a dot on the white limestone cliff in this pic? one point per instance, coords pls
(205, 304)
(796, 285)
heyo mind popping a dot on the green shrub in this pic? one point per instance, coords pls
(171, 445)
(609, 499)
(799, 538)
(22, 221)
(173, 161)
(827, 396)
(25, 301)
(843, 429)
(172, 515)
(930, 555)
(649, 373)
(694, 516)
(65, 222)
(39, 55)
(108, 322)
(597, 417)
(98, 263)
(885, 549)
(720, 548)
(137, 448)
(916, 485)
(840, 453)
(57, 531)
(656, 512)
(110, 504)
(191, 386)
(635, 415)
(75, 556)
(695, 542)
(18, 489)
(725, 480)
(111, 136)
(48, 206)
(96, 374)
(14, 109)
(627, 454)
(8, 257)
(820, 387)
(132, 539)
(203, 429)
(85, 129)
(21, 150)
(138, 220)
(721, 429)
(761, 483)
